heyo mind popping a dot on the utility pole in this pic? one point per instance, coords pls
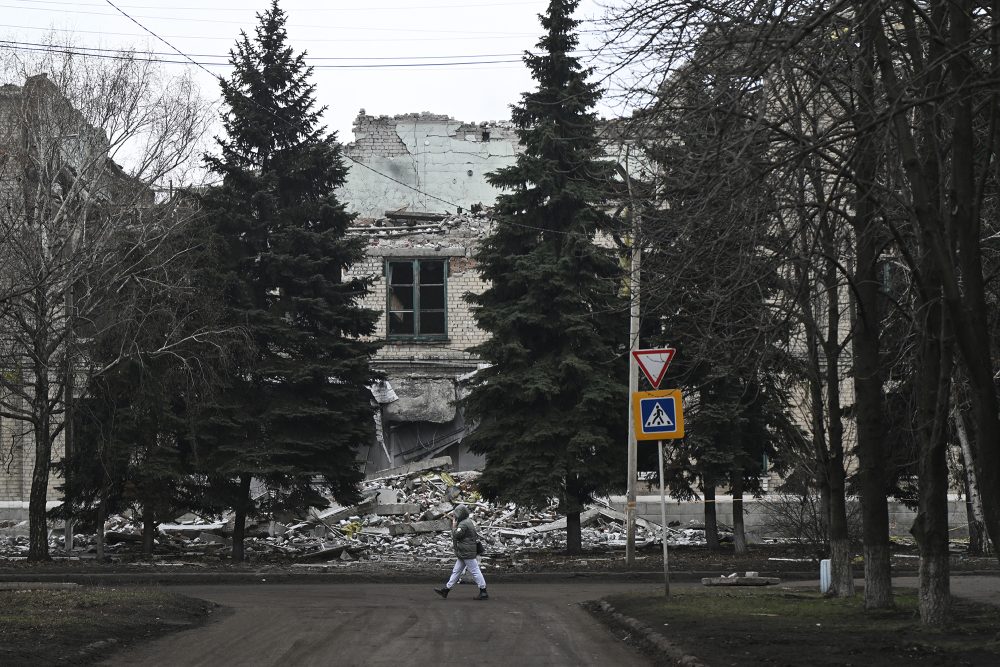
(633, 371)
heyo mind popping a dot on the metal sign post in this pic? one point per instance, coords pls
(657, 415)
(663, 521)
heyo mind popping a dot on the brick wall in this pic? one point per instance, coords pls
(463, 333)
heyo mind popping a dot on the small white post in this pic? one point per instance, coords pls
(824, 576)
(663, 525)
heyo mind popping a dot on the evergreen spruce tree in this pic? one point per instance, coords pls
(300, 408)
(550, 406)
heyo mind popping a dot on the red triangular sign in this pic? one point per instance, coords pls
(654, 363)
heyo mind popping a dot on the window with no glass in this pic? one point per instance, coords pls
(416, 298)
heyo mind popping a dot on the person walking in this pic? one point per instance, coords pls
(464, 537)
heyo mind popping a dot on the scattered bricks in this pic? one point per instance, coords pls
(328, 552)
(420, 527)
(397, 510)
(412, 468)
(586, 518)
(336, 514)
(740, 581)
(372, 531)
(437, 511)
(387, 496)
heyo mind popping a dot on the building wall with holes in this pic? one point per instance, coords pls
(433, 153)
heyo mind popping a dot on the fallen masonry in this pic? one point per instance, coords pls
(402, 518)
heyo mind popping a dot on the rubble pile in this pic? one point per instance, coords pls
(403, 518)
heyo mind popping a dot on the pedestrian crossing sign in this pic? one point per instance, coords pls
(658, 415)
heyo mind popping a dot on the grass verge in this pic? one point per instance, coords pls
(84, 625)
(781, 627)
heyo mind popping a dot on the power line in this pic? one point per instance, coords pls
(325, 40)
(225, 57)
(278, 116)
(236, 22)
(125, 55)
(485, 5)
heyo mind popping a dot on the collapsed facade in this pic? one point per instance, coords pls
(423, 162)
(406, 171)
(423, 267)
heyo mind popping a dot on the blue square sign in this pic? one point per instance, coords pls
(658, 415)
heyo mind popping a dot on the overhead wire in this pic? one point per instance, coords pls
(307, 58)
(275, 113)
(382, 61)
(366, 8)
(312, 25)
(121, 54)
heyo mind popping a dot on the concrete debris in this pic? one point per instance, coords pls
(740, 581)
(413, 468)
(403, 518)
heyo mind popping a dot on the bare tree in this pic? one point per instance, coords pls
(88, 146)
(920, 81)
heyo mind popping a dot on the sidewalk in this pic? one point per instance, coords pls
(981, 588)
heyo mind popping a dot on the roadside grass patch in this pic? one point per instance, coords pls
(784, 627)
(84, 625)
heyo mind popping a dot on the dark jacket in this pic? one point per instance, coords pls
(464, 535)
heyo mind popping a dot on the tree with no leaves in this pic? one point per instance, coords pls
(85, 148)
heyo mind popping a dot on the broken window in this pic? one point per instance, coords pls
(417, 298)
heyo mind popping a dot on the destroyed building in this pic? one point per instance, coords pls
(422, 266)
(423, 162)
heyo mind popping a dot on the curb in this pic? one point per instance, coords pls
(666, 647)
(337, 577)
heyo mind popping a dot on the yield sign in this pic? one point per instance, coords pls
(654, 363)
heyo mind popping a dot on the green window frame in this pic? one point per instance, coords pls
(416, 299)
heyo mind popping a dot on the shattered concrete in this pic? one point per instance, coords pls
(402, 519)
(422, 399)
(433, 153)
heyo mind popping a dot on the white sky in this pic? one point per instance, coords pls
(343, 38)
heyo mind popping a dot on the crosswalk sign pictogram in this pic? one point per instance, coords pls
(658, 415)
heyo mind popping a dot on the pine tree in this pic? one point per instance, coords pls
(550, 405)
(300, 408)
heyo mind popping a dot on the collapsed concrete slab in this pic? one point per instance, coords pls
(439, 463)
(397, 509)
(740, 581)
(420, 527)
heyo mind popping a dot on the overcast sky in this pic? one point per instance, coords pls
(364, 51)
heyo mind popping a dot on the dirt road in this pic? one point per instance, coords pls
(389, 624)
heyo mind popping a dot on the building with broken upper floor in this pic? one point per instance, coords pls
(423, 267)
(423, 162)
(405, 170)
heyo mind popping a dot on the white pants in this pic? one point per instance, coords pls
(473, 566)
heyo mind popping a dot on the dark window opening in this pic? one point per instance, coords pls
(417, 298)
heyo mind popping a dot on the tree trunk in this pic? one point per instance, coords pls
(933, 388)
(968, 306)
(241, 507)
(148, 531)
(711, 518)
(739, 527)
(38, 530)
(841, 573)
(574, 533)
(872, 454)
(101, 518)
(978, 543)
(964, 288)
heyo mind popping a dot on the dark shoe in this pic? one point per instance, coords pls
(443, 592)
(482, 595)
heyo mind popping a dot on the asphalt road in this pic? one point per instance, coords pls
(389, 624)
